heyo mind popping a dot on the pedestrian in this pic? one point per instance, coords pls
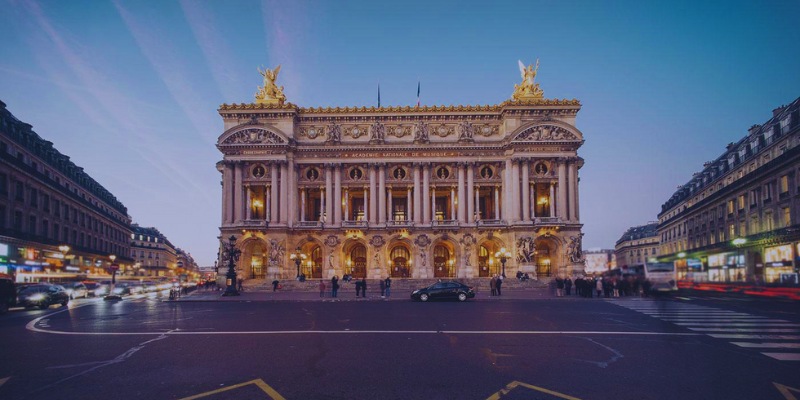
(559, 287)
(240, 284)
(383, 289)
(388, 284)
(358, 288)
(275, 285)
(364, 287)
(334, 286)
(321, 288)
(493, 285)
(568, 286)
(599, 286)
(499, 285)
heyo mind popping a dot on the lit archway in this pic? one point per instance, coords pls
(400, 262)
(487, 264)
(357, 261)
(253, 262)
(443, 262)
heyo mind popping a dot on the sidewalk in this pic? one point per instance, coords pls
(397, 295)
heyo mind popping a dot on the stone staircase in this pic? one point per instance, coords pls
(398, 285)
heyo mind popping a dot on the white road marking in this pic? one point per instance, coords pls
(787, 330)
(784, 356)
(770, 324)
(768, 345)
(734, 320)
(762, 337)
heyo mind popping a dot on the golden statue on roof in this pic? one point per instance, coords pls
(528, 89)
(270, 93)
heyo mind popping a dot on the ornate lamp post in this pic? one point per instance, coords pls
(298, 258)
(503, 255)
(64, 249)
(232, 254)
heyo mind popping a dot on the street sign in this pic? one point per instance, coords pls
(113, 267)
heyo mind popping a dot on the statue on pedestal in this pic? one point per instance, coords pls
(528, 89)
(270, 93)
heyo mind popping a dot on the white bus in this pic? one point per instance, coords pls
(662, 276)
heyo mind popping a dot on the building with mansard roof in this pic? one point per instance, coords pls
(407, 192)
(638, 245)
(737, 219)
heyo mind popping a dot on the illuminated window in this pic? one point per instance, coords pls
(731, 230)
(784, 184)
(730, 206)
(769, 223)
(741, 202)
(787, 216)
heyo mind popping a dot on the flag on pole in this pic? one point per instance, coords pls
(417, 93)
(379, 95)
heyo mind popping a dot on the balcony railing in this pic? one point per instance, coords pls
(490, 222)
(445, 223)
(547, 220)
(254, 223)
(355, 224)
(399, 223)
(308, 224)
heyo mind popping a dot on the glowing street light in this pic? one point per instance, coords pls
(298, 258)
(503, 255)
(113, 268)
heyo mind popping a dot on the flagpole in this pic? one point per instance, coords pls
(379, 95)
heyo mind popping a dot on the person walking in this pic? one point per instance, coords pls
(499, 285)
(364, 287)
(568, 286)
(321, 288)
(334, 286)
(599, 286)
(388, 284)
(358, 288)
(383, 288)
(559, 287)
(493, 285)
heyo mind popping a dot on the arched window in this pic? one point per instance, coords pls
(400, 262)
(357, 264)
(443, 265)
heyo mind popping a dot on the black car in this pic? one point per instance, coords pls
(42, 296)
(444, 291)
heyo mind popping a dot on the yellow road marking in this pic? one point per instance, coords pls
(785, 391)
(258, 382)
(514, 384)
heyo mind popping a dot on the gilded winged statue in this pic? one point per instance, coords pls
(528, 88)
(270, 93)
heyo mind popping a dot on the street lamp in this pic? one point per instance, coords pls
(232, 254)
(64, 249)
(298, 258)
(113, 268)
(503, 255)
(738, 242)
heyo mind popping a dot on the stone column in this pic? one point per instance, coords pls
(249, 203)
(462, 198)
(433, 204)
(367, 200)
(273, 192)
(284, 193)
(526, 191)
(329, 194)
(552, 199)
(573, 189)
(452, 203)
(292, 201)
(323, 205)
(302, 205)
(408, 205)
(470, 197)
(506, 209)
(227, 194)
(267, 203)
(577, 196)
(561, 208)
(496, 203)
(475, 216)
(237, 194)
(533, 201)
(346, 204)
(382, 193)
(426, 200)
(515, 197)
(373, 195)
(337, 195)
(417, 196)
(390, 217)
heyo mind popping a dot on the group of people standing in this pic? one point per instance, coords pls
(361, 287)
(496, 284)
(605, 286)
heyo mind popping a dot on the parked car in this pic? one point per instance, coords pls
(42, 296)
(91, 288)
(444, 291)
(8, 294)
(77, 289)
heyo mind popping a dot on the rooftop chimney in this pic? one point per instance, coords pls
(753, 129)
(778, 110)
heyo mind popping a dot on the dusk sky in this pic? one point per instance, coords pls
(129, 90)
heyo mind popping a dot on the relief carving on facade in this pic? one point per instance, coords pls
(486, 129)
(332, 241)
(377, 241)
(276, 253)
(545, 133)
(421, 132)
(333, 133)
(525, 250)
(377, 133)
(574, 251)
(441, 130)
(311, 132)
(399, 131)
(254, 136)
(468, 241)
(355, 131)
(466, 132)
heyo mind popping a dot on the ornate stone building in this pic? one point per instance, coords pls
(153, 252)
(410, 192)
(637, 245)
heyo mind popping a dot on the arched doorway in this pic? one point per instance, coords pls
(487, 264)
(254, 265)
(400, 258)
(357, 262)
(545, 254)
(315, 261)
(443, 263)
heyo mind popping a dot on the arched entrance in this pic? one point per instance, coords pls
(545, 255)
(357, 261)
(443, 262)
(487, 264)
(315, 263)
(254, 263)
(400, 258)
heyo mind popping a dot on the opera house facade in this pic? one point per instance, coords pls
(408, 192)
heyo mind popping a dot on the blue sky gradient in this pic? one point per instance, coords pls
(129, 90)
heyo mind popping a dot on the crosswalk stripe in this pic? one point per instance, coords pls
(771, 324)
(784, 356)
(703, 329)
(764, 337)
(733, 320)
(768, 345)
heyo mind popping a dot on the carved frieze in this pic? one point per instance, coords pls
(254, 136)
(486, 129)
(355, 131)
(441, 130)
(311, 132)
(398, 131)
(545, 133)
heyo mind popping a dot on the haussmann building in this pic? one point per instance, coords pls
(409, 192)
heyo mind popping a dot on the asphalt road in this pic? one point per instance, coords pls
(684, 347)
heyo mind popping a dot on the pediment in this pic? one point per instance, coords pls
(547, 132)
(252, 136)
